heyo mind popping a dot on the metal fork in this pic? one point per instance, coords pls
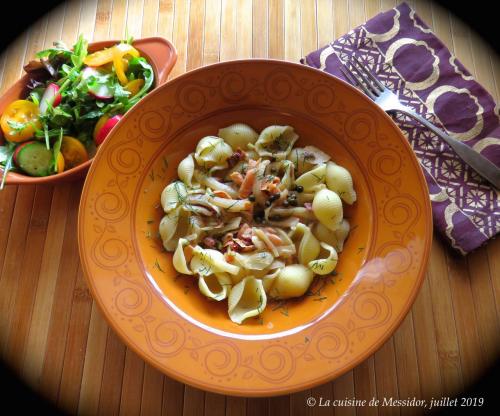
(360, 76)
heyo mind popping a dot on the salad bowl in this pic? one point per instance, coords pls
(159, 53)
(343, 319)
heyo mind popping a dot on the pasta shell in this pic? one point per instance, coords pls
(308, 246)
(307, 158)
(255, 261)
(311, 179)
(327, 207)
(335, 238)
(173, 195)
(215, 286)
(214, 184)
(292, 281)
(326, 265)
(238, 135)
(212, 151)
(211, 261)
(247, 298)
(339, 180)
(168, 226)
(185, 170)
(268, 280)
(288, 176)
(179, 259)
(276, 141)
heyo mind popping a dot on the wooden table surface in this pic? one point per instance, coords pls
(52, 333)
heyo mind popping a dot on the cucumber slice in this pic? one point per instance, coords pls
(35, 159)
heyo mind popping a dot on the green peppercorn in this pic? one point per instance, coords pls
(299, 188)
(251, 198)
(274, 197)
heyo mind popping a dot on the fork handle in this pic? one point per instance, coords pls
(475, 160)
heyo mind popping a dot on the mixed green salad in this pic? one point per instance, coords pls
(73, 99)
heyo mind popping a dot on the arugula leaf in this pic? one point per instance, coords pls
(17, 126)
(57, 150)
(6, 159)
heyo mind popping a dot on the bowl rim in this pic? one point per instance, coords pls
(18, 178)
(397, 321)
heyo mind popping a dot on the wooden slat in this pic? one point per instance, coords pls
(406, 363)
(258, 407)
(386, 377)
(244, 32)
(150, 18)
(152, 391)
(215, 404)
(180, 35)
(293, 48)
(112, 376)
(196, 31)
(133, 379)
(279, 406)
(95, 355)
(194, 401)
(76, 345)
(173, 397)
(365, 387)
(343, 387)
(55, 345)
(260, 29)
(425, 343)
(212, 32)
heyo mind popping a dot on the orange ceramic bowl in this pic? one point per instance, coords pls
(159, 52)
(293, 346)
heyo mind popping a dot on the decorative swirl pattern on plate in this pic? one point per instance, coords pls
(233, 86)
(152, 124)
(359, 125)
(109, 253)
(320, 99)
(132, 301)
(385, 162)
(276, 364)
(124, 160)
(278, 85)
(222, 358)
(372, 306)
(331, 341)
(191, 98)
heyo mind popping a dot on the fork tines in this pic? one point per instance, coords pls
(359, 75)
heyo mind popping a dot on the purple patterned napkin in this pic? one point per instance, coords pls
(410, 60)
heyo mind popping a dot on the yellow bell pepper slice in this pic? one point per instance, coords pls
(106, 56)
(134, 86)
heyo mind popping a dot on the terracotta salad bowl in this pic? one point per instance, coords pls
(159, 53)
(291, 346)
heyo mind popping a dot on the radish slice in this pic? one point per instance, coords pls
(99, 90)
(104, 131)
(50, 96)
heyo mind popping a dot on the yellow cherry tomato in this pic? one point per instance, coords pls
(105, 56)
(20, 120)
(73, 151)
(101, 122)
(60, 163)
(134, 86)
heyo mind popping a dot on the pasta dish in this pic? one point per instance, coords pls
(253, 218)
